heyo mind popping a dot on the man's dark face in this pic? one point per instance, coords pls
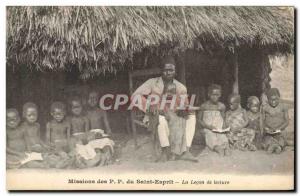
(168, 72)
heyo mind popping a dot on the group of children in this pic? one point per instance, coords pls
(260, 127)
(78, 140)
(72, 141)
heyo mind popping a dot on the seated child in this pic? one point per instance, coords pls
(15, 135)
(16, 145)
(254, 117)
(85, 146)
(58, 129)
(99, 141)
(275, 120)
(97, 117)
(79, 122)
(236, 118)
(211, 117)
(32, 129)
(58, 132)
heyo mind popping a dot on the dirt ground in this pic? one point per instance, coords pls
(129, 159)
(258, 162)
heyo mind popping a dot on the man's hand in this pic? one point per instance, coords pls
(153, 109)
(182, 113)
(269, 130)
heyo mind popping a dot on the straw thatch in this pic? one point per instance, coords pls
(101, 39)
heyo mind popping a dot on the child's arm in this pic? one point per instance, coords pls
(202, 123)
(48, 133)
(68, 129)
(223, 114)
(106, 123)
(11, 151)
(246, 119)
(86, 124)
(27, 140)
(261, 120)
(226, 122)
(265, 128)
(286, 120)
(39, 136)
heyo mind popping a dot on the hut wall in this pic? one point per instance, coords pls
(254, 68)
(203, 69)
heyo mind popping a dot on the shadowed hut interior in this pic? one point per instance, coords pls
(54, 52)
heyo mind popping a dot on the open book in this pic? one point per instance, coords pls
(221, 130)
(99, 131)
(33, 156)
(274, 132)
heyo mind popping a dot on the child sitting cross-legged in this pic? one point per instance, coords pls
(97, 117)
(58, 129)
(254, 117)
(32, 129)
(15, 145)
(211, 118)
(58, 137)
(79, 121)
(240, 137)
(275, 120)
(86, 146)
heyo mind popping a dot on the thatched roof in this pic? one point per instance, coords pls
(99, 39)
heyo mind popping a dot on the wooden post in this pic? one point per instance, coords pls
(226, 80)
(132, 114)
(181, 65)
(235, 88)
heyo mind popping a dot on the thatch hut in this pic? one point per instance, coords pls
(53, 50)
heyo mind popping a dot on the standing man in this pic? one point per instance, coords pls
(168, 122)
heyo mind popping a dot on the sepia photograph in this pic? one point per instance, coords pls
(153, 98)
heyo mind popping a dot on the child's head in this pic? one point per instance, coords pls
(93, 99)
(214, 92)
(234, 101)
(253, 104)
(273, 97)
(30, 112)
(58, 111)
(12, 118)
(76, 106)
